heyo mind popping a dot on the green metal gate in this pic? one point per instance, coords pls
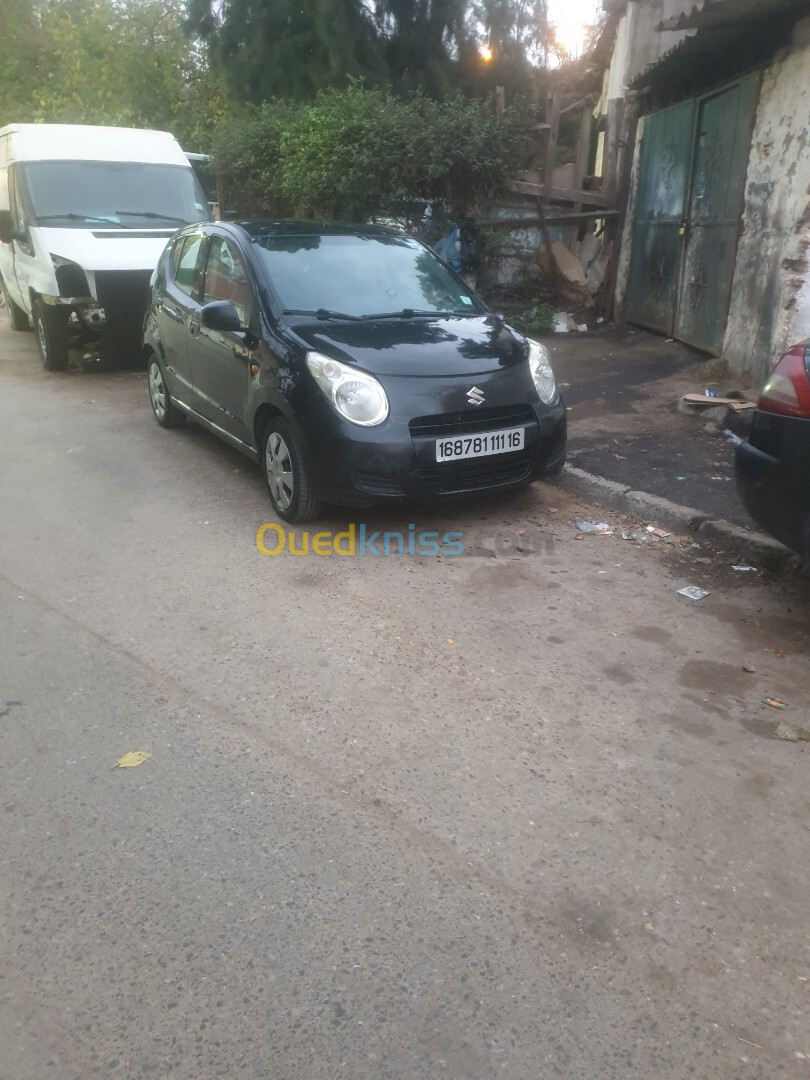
(688, 207)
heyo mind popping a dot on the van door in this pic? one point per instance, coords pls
(23, 259)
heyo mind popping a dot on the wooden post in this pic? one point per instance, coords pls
(615, 115)
(553, 121)
(616, 228)
(500, 101)
(583, 152)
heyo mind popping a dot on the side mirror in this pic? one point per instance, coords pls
(230, 215)
(221, 315)
(6, 227)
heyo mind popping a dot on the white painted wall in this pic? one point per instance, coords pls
(770, 300)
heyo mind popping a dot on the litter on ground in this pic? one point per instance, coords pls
(693, 592)
(600, 528)
(791, 732)
(132, 759)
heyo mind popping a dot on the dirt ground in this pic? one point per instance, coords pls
(623, 386)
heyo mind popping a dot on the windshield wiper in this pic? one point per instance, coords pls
(150, 214)
(410, 313)
(324, 313)
(79, 217)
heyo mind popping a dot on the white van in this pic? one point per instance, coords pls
(85, 213)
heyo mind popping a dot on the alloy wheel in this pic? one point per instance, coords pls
(157, 390)
(279, 470)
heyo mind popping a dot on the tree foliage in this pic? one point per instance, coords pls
(124, 62)
(361, 152)
(292, 49)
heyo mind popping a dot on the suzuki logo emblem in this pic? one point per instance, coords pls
(475, 396)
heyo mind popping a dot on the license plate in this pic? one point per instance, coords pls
(483, 444)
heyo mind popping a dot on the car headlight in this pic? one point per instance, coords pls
(353, 394)
(543, 376)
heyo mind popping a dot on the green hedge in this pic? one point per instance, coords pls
(358, 152)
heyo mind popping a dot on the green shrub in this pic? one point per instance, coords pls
(357, 153)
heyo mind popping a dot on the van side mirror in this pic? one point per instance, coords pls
(6, 227)
(221, 315)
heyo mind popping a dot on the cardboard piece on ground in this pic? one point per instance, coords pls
(701, 401)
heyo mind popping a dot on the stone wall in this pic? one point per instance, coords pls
(770, 299)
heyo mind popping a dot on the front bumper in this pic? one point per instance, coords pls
(397, 461)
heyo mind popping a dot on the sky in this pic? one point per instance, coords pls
(570, 17)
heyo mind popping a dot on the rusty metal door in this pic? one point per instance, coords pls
(663, 185)
(688, 210)
(721, 146)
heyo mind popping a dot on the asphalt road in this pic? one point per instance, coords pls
(412, 817)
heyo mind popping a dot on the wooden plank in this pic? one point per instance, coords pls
(552, 219)
(583, 103)
(587, 198)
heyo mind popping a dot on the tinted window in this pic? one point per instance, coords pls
(360, 275)
(184, 263)
(82, 194)
(226, 279)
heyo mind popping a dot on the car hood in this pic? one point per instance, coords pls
(418, 346)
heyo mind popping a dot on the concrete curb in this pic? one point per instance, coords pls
(754, 547)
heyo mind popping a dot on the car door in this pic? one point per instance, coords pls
(177, 309)
(220, 362)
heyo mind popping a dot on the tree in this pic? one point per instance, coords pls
(122, 62)
(288, 48)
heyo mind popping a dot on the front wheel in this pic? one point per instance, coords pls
(50, 324)
(166, 413)
(288, 473)
(17, 319)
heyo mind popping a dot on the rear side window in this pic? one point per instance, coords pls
(185, 256)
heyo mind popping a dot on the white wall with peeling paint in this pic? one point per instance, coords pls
(770, 298)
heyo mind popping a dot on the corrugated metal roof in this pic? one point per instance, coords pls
(721, 28)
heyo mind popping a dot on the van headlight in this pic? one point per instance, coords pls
(543, 376)
(355, 395)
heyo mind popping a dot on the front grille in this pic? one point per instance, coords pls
(464, 423)
(476, 473)
(124, 295)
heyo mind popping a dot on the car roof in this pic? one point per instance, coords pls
(258, 229)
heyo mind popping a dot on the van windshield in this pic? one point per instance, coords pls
(82, 194)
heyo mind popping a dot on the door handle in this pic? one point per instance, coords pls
(194, 324)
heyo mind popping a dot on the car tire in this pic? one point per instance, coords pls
(17, 318)
(50, 326)
(288, 473)
(163, 408)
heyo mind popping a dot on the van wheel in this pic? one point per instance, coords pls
(286, 468)
(50, 324)
(17, 319)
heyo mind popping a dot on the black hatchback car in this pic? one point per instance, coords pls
(773, 464)
(351, 362)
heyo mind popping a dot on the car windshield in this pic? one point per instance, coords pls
(361, 276)
(78, 194)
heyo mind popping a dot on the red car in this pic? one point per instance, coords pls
(773, 465)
